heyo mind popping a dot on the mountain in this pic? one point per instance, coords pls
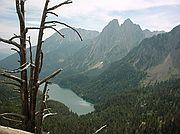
(122, 104)
(130, 35)
(154, 60)
(95, 51)
(3, 55)
(56, 49)
(158, 56)
(91, 56)
(56, 42)
(149, 34)
(112, 44)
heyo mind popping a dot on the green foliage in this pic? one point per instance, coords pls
(151, 110)
(119, 76)
(9, 103)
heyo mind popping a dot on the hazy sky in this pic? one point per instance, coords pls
(94, 14)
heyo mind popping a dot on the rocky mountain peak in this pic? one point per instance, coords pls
(127, 22)
(112, 26)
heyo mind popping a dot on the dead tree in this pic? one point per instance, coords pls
(29, 85)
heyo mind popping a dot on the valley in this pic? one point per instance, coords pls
(130, 75)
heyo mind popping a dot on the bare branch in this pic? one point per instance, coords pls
(14, 37)
(13, 115)
(57, 6)
(26, 67)
(97, 131)
(51, 27)
(44, 98)
(10, 42)
(12, 77)
(9, 119)
(10, 83)
(22, 66)
(17, 90)
(41, 62)
(18, 71)
(52, 13)
(56, 31)
(30, 49)
(49, 114)
(35, 28)
(50, 76)
(47, 109)
(61, 23)
(14, 49)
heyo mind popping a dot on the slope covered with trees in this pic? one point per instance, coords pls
(153, 109)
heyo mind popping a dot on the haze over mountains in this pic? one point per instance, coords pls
(98, 50)
(131, 76)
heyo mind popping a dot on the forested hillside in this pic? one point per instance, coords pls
(153, 109)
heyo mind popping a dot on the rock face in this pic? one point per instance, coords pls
(56, 49)
(94, 52)
(149, 34)
(154, 60)
(112, 44)
(158, 55)
(8, 130)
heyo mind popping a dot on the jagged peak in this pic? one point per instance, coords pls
(112, 25)
(128, 24)
(114, 22)
(128, 21)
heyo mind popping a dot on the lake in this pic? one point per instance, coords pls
(66, 96)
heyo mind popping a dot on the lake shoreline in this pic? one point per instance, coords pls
(69, 98)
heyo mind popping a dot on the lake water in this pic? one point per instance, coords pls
(66, 96)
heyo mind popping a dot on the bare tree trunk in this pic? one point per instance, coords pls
(24, 91)
(37, 66)
(29, 87)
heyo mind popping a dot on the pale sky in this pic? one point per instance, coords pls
(93, 14)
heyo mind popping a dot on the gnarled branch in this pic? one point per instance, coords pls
(10, 42)
(50, 76)
(57, 6)
(18, 70)
(13, 115)
(14, 49)
(61, 23)
(9, 119)
(52, 13)
(51, 27)
(12, 77)
(14, 37)
(55, 30)
(47, 115)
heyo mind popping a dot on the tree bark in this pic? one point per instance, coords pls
(37, 67)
